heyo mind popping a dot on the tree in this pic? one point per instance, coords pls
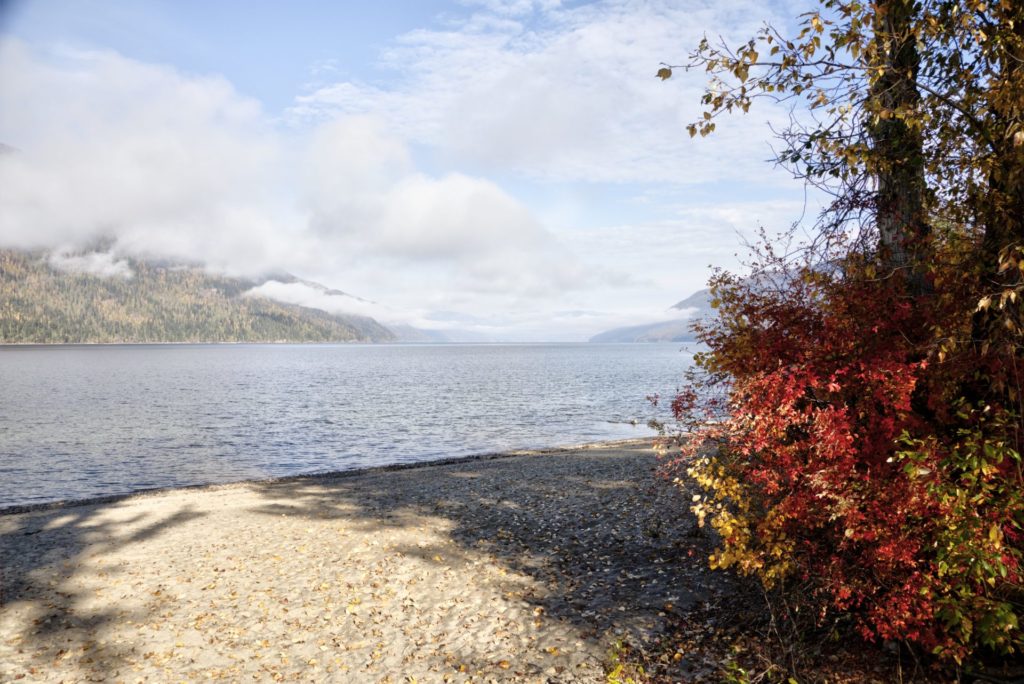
(866, 395)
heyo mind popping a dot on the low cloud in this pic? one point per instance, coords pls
(102, 264)
(109, 148)
(157, 163)
(304, 294)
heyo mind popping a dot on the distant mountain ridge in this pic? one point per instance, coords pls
(410, 334)
(700, 300)
(91, 298)
(674, 330)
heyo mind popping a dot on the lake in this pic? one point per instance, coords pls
(84, 421)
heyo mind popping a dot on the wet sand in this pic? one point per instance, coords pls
(519, 568)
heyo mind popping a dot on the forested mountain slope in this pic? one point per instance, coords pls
(42, 301)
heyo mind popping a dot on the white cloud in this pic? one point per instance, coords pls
(513, 7)
(563, 94)
(108, 147)
(366, 199)
(158, 163)
(171, 165)
(304, 294)
(101, 264)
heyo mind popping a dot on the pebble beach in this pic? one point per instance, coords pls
(522, 567)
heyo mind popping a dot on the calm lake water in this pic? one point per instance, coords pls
(79, 421)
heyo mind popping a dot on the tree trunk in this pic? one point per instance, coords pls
(1004, 222)
(899, 210)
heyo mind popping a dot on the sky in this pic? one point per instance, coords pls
(508, 167)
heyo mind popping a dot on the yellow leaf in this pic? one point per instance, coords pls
(664, 73)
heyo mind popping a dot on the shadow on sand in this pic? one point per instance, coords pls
(43, 584)
(611, 547)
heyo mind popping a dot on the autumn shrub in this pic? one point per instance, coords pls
(848, 438)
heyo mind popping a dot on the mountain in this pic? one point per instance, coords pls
(93, 297)
(674, 330)
(700, 300)
(407, 333)
(662, 331)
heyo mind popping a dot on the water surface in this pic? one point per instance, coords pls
(82, 421)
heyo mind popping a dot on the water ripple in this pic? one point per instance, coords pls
(78, 422)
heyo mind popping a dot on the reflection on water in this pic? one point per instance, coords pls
(86, 421)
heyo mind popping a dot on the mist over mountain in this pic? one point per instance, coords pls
(411, 334)
(95, 297)
(692, 308)
(662, 331)
(699, 300)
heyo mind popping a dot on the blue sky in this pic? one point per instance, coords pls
(513, 161)
(266, 49)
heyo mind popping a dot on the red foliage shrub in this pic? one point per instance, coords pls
(842, 444)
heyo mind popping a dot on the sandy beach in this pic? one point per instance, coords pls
(524, 567)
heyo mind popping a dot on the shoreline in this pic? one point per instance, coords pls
(338, 343)
(16, 509)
